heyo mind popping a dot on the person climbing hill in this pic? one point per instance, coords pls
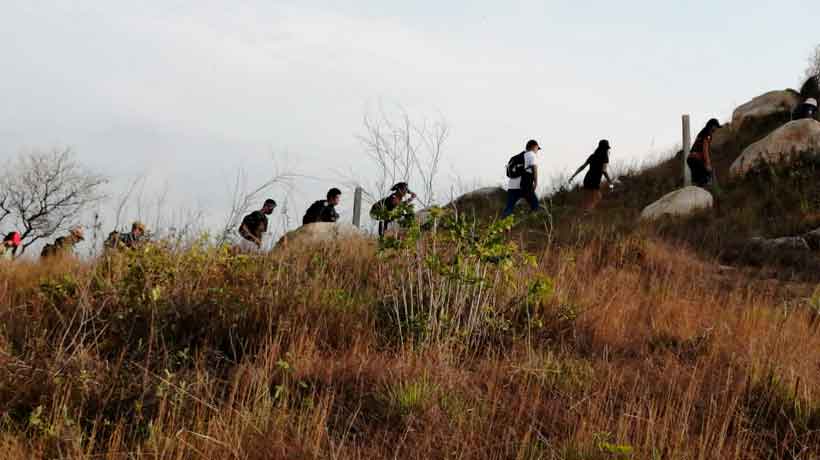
(523, 174)
(255, 225)
(64, 245)
(130, 240)
(383, 209)
(598, 163)
(11, 242)
(324, 210)
(700, 159)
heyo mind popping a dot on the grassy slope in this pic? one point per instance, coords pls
(620, 341)
(770, 203)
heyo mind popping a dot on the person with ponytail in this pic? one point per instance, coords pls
(598, 163)
(700, 159)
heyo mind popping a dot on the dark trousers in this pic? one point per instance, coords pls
(515, 194)
(383, 227)
(700, 175)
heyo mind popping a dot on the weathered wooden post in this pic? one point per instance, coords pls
(357, 207)
(687, 146)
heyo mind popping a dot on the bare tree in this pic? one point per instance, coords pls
(45, 192)
(405, 150)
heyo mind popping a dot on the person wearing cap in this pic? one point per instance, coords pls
(11, 242)
(598, 163)
(808, 109)
(525, 185)
(700, 158)
(383, 208)
(255, 225)
(64, 245)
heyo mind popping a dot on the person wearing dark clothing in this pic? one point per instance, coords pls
(807, 109)
(700, 159)
(255, 224)
(383, 208)
(324, 210)
(523, 184)
(597, 163)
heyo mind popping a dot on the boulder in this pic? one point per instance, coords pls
(484, 202)
(766, 105)
(491, 197)
(321, 232)
(722, 137)
(785, 243)
(682, 202)
(782, 146)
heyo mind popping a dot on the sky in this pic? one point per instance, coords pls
(186, 94)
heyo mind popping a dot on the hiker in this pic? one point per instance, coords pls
(324, 210)
(64, 245)
(382, 209)
(598, 163)
(523, 174)
(700, 159)
(11, 242)
(255, 224)
(128, 240)
(808, 109)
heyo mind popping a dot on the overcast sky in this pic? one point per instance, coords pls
(187, 92)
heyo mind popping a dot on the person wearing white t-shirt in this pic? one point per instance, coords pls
(525, 185)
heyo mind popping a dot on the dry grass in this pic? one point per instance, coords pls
(616, 347)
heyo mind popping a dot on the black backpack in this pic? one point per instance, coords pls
(314, 212)
(516, 166)
(48, 250)
(53, 249)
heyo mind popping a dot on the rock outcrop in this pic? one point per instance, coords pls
(782, 146)
(723, 136)
(682, 202)
(484, 202)
(321, 232)
(766, 105)
(484, 199)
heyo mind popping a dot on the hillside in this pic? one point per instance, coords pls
(559, 336)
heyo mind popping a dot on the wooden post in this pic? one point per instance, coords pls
(687, 146)
(357, 207)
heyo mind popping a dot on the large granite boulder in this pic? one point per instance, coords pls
(782, 146)
(722, 137)
(766, 105)
(482, 202)
(321, 232)
(682, 202)
(491, 198)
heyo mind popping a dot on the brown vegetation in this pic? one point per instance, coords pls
(453, 346)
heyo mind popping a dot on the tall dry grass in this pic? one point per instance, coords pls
(614, 347)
